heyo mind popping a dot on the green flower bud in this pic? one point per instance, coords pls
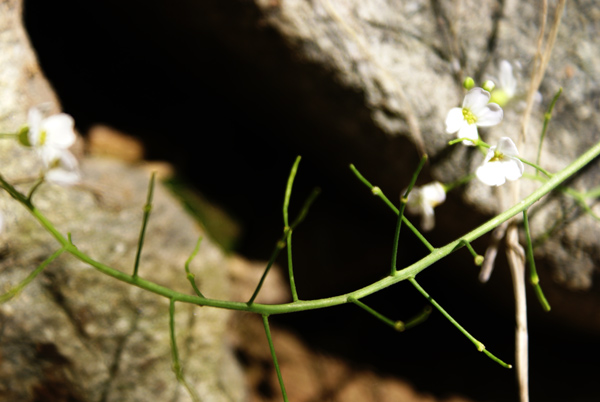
(468, 83)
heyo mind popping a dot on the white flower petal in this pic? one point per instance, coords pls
(513, 169)
(428, 219)
(59, 130)
(454, 120)
(490, 115)
(434, 193)
(491, 174)
(468, 131)
(508, 83)
(34, 120)
(476, 99)
(422, 200)
(62, 177)
(506, 146)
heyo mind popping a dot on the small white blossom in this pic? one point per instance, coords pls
(507, 88)
(500, 164)
(475, 111)
(422, 200)
(51, 136)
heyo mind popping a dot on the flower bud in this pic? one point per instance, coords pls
(468, 83)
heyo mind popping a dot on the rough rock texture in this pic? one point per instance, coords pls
(74, 334)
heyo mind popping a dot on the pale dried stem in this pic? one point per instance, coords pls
(541, 59)
(516, 262)
(491, 252)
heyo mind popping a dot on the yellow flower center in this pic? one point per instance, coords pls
(498, 156)
(469, 116)
(42, 139)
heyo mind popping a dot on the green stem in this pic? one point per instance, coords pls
(177, 368)
(283, 241)
(478, 259)
(190, 276)
(17, 289)
(9, 135)
(147, 210)
(535, 166)
(547, 117)
(403, 201)
(305, 305)
(397, 325)
(265, 319)
(34, 188)
(418, 319)
(377, 192)
(480, 346)
(288, 190)
(534, 279)
(278, 247)
(459, 182)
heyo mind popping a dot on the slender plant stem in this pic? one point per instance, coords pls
(535, 166)
(189, 275)
(278, 247)
(286, 203)
(397, 325)
(459, 182)
(147, 210)
(177, 368)
(265, 319)
(305, 305)
(480, 346)
(403, 201)
(418, 319)
(283, 241)
(377, 192)
(288, 190)
(478, 259)
(18, 288)
(547, 117)
(534, 279)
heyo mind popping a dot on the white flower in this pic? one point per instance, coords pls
(475, 111)
(507, 88)
(51, 136)
(422, 200)
(500, 164)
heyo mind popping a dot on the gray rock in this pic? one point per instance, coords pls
(73, 333)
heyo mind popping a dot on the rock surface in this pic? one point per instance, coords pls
(74, 334)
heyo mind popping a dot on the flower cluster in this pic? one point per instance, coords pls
(478, 109)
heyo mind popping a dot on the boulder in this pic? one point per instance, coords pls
(73, 333)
